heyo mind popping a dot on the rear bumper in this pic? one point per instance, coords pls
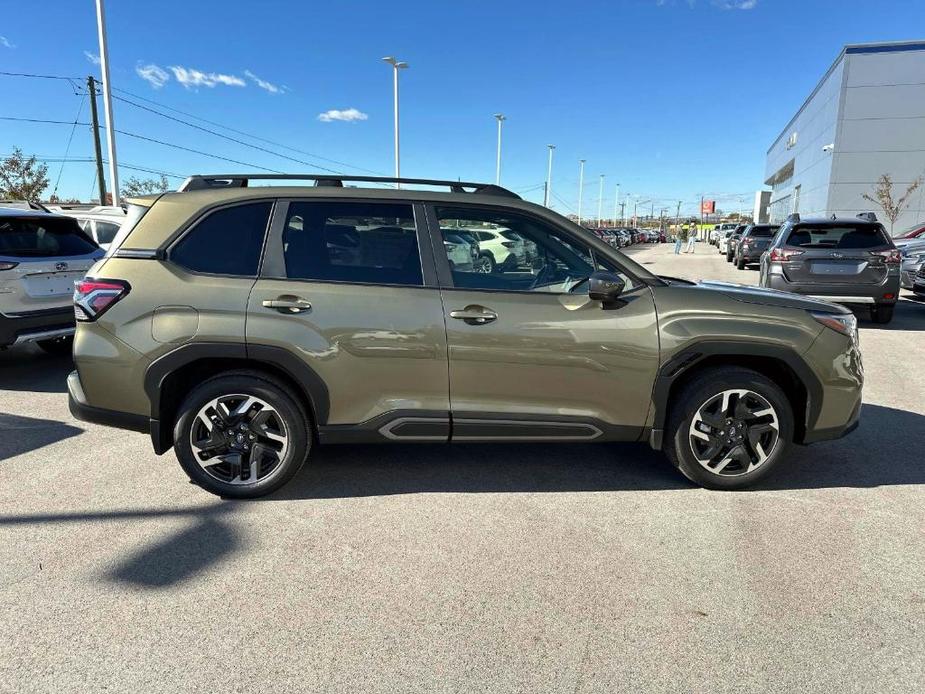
(77, 404)
(36, 325)
(843, 293)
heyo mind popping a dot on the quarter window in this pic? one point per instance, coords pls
(374, 243)
(227, 242)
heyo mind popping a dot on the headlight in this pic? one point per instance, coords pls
(844, 323)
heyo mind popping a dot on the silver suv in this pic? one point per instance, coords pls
(41, 255)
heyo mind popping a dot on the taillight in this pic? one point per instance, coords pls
(7, 266)
(782, 254)
(890, 257)
(92, 298)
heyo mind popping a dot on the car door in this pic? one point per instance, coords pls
(345, 289)
(530, 355)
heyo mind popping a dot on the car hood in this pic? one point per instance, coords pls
(771, 297)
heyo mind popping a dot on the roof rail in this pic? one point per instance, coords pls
(868, 216)
(207, 181)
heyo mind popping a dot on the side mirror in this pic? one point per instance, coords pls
(606, 287)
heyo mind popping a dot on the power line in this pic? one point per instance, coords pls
(90, 160)
(68, 148)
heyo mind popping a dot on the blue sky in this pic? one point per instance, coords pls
(669, 98)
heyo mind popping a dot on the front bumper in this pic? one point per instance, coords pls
(19, 328)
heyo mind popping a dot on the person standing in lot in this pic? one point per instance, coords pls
(679, 238)
(691, 239)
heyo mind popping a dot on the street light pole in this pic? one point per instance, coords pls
(396, 66)
(549, 176)
(500, 118)
(600, 201)
(581, 185)
(107, 102)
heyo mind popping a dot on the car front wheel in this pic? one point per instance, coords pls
(241, 435)
(729, 428)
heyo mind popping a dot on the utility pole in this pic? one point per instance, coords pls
(616, 201)
(623, 213)
(677, 217)
(600, 201)
(107, 103)
(581, 185)
(701, 214)
(94, 118)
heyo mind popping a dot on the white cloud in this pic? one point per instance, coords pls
(192, 78)
(736, 4)
(5, 42)
(348, 114)
(263, 84)
(92, 57)
(153, 74)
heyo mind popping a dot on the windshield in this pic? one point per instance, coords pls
(43, 237)
(846, 237)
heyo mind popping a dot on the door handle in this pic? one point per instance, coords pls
(474, 315)
(287, 304)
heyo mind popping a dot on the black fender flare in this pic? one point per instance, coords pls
(688, 358)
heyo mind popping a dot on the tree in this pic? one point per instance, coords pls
(144, 186)
(21, 178)
(883, 198)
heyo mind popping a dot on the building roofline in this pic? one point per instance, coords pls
(851, 49)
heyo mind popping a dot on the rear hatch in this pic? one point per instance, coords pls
(842, 253)
(41, 257)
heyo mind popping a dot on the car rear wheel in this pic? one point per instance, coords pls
(241, 435)
(882, 314)
(729, 428)
(59, 346)
(740, 263)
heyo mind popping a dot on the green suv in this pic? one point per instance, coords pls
(243, 325)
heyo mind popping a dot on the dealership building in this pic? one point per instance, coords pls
(865, 118)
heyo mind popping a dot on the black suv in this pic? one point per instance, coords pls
(755, 240)
(847, 261)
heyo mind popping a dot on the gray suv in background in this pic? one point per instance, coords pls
(756, 239)
(849, 261)
(41, 255)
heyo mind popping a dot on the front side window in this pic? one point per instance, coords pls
(511, 252)
(374, 243)
(226, 242)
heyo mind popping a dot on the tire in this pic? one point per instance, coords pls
(740, 263)
(728, 257)
(283, 434)
(698, 398)
(59, 346)
(488, 260)
(882, 314)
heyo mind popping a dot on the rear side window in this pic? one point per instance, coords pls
(37, 237)
(845, 237)
(106, 231)
(227, 242)
(372, 243)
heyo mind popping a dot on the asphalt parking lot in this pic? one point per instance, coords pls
(580, 568)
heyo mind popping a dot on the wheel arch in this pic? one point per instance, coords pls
(782, 365)
(171, 377)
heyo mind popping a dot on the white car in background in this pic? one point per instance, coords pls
(101, 222)
(503, 246)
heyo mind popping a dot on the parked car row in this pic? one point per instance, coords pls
(42, 253)
(627, 236)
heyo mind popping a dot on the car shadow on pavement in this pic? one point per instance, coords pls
(206, 540)
(20, 435)
(880, 452)
(30, 370)
(908, 315)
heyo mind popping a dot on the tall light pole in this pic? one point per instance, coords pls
(500, 117)
(581, 185)
(616, 202)
(396, 66)
(107, 102)
(600, 201)
(549, 177)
